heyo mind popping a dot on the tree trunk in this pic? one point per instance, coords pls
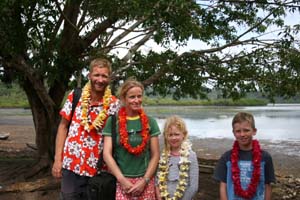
(44, 126)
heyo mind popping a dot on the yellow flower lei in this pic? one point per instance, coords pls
(163, 171)
(99, 121)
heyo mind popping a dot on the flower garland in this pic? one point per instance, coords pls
(99, 121)
(124, 138)
(235, 170)
(163, 171)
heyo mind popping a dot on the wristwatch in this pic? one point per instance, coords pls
(147, 180)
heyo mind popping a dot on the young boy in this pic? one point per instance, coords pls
(246, 171)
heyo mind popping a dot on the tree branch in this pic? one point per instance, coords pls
(125, 33)
(134, 48)
(18, 63)
(65, 14)
(100, 28)
(155, 77)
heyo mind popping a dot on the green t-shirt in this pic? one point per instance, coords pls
(132, 165)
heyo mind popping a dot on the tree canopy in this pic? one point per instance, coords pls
(46, 43)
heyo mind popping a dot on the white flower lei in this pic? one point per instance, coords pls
(163, 171)
(99, 121)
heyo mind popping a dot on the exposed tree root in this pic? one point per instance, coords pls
(41, 167)
(48, 183)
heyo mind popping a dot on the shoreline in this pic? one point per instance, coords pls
(285, 154)
(17, 154)
(285, 163)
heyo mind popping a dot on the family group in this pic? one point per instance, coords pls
(143, 168)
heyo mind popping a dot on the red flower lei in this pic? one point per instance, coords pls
(124, 134)
(235, 170)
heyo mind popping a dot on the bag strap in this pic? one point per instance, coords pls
(76, 97)
(113, 137)
(113, 134)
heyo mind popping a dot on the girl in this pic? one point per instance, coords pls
(178, 172)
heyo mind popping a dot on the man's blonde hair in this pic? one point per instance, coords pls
(101, 63)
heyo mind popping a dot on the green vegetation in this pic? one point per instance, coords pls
(12, 96)
(214, 102)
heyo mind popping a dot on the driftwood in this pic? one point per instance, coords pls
(47, 183)
(206, 165)
(4, 135)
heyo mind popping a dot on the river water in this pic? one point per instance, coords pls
(273, 122)
(278, 125)
(279, 122)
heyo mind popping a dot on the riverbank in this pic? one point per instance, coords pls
(17, 155)
(285, 163)
(21, 143)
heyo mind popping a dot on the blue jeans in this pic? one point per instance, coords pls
(73, 186)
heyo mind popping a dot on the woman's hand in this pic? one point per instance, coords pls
(126, 184)
(138, 188)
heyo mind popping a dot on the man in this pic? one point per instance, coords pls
(78, 146)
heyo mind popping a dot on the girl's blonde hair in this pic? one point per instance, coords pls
(177, 122)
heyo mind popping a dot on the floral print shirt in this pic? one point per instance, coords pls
(82, 148)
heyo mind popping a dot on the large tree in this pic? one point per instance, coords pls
(44, 44)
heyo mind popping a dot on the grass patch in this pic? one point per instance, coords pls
(15, 97)
(195, 102)
(12, 97)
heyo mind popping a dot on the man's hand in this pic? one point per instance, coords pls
(57, 169)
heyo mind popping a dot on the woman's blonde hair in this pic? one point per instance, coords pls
(178, 122)
(127, 85)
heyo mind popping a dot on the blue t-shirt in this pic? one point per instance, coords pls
(223, 173)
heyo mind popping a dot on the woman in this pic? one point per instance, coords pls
(137, 146)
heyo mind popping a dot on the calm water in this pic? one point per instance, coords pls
(274, 122)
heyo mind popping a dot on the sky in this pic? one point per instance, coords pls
(290, 19)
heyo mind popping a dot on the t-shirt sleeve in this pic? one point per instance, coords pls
(154, 128)
(107, 128)
(269, 169)
(65, 112)
(220, 172)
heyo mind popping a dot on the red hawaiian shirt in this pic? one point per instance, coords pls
(82, 148)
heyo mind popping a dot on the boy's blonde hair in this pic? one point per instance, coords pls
(242, 117)
(177, 122)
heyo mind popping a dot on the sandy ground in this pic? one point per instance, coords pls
(287, 163)
(285, 155)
